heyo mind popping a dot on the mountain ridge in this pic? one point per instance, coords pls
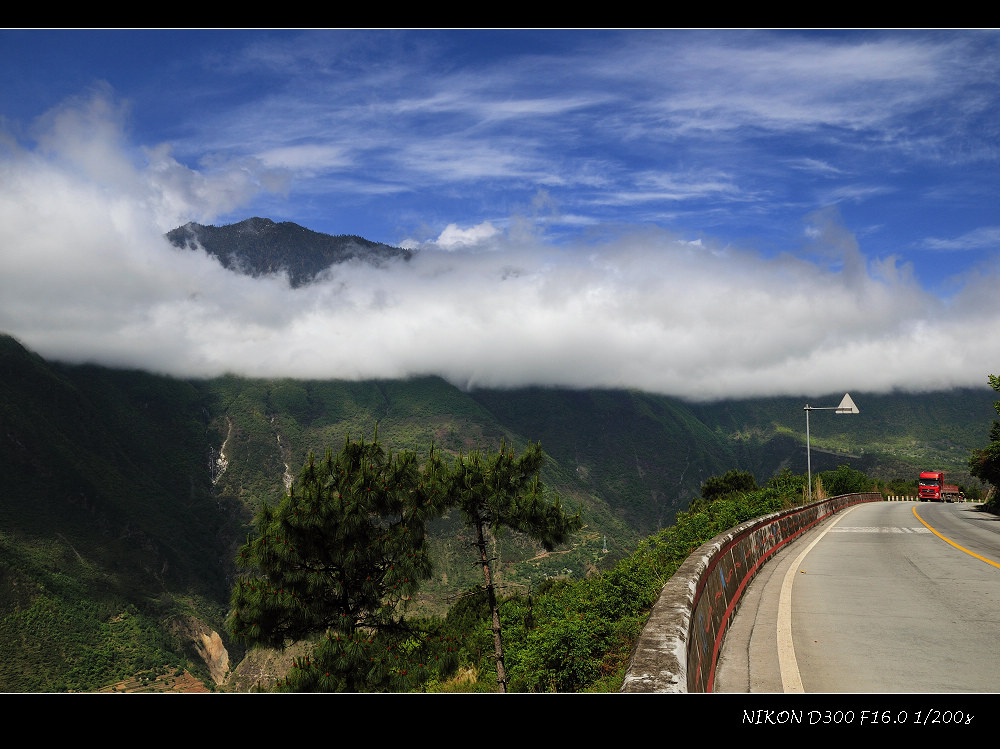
(259, 246)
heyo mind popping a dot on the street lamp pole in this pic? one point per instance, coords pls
(846, 407)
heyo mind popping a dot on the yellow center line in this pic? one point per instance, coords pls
(984, 559)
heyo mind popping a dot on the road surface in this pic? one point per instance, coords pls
(874, 600)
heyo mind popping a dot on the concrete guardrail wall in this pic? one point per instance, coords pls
(679, 646)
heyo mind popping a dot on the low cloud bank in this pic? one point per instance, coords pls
(86, 275)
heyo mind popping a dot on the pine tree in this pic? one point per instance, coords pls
(341, 556)
(497, 491)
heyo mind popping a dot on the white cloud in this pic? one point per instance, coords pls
(986, 236)
(85, 139)
(309, 158)
(85, 274)
(453, 238)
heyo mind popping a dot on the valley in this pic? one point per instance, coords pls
(128, 493)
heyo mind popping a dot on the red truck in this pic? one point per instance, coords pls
(933, 489)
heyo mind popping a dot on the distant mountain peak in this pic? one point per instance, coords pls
(255, 224)
(258, 246)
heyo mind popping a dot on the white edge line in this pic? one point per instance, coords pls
(791, 682)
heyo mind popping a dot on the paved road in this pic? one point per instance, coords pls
(873, 600)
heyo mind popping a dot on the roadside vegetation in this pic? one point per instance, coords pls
(985, 463)
(578, 635)
(569, 635)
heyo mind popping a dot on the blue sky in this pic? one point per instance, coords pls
(715, 212)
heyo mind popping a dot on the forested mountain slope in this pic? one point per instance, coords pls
(110, 535)
(126, 493)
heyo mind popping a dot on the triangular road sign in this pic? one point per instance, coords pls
(847, 405)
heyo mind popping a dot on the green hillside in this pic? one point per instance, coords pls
(645, 455)
(127, 494)
(894, 435)
(109, 532)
